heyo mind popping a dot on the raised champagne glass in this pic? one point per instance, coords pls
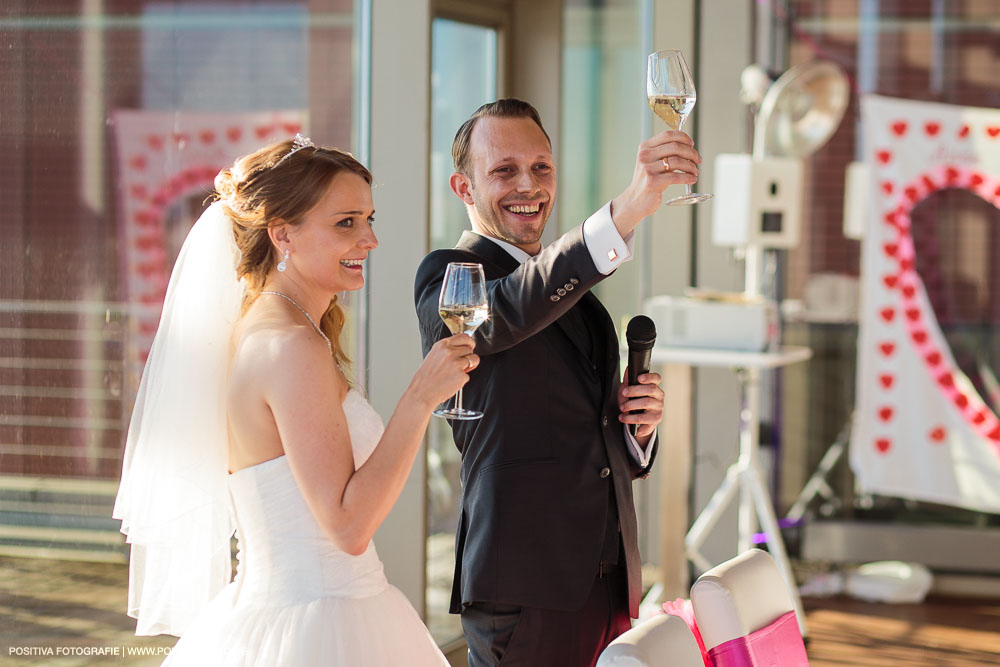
(463, 307)
(671, 92)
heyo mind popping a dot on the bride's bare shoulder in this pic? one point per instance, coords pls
(272, 345)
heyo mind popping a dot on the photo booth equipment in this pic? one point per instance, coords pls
(759, 205)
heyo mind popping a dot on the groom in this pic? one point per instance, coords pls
(547, 561)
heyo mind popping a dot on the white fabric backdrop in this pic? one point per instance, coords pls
(921, 430)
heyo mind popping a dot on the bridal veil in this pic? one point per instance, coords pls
(173, 499)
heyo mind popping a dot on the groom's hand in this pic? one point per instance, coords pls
(645, 396)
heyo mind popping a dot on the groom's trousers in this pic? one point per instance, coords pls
(513, 636)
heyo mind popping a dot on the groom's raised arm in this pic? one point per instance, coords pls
(522, 303)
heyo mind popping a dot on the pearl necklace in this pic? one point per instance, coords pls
(308, 317)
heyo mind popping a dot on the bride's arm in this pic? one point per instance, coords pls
(304, 394)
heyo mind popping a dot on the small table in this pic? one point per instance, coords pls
(743, 475)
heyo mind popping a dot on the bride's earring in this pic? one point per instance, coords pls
(283, 264)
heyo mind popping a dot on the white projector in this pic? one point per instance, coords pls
(722, 322)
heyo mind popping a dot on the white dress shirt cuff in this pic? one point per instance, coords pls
(606, 245)
(640, 455)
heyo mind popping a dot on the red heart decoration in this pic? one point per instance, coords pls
(206, 136)
(951, 174)
(887, 314)
(883, 156)
(890, 280)
(919, 336)
(138, 191)
(155, 142)
(979, 418)
(996, 193)
(934, 358)
(882, 445)
(234, 133)
(891, 249)
(263, 130)
(975, 180)
(138, 162)
(909, 291)
(887, 187)
(912, 193)
(932, 128)
(928, 183)
(964, 132)
(887, 348)
(906, 264)
(993, 131)
(181, 138)
(961, 400)
(885, 413)
(291, 128)
(946, 380)
(899, 127)
(886, 380)
(913, 314)
(937, 435)
(994, 434)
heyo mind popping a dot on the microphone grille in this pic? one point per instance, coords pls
(640, 330)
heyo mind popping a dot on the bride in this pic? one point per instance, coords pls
(245, 421)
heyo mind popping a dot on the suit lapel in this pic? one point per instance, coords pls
(496, 261)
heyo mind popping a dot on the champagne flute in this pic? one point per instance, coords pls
(463, 307)
(671, 93)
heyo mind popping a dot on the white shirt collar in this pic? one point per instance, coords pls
(511, 249)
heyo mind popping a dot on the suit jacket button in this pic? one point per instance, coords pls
(553, 298)
(569, 287)
(605, 472)
(604, 421)
(561, 292)
(574, 281)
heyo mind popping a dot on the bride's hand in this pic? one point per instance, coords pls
(445, 369)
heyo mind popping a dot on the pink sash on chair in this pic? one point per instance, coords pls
(776, 645)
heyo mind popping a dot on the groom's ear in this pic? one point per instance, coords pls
(461, 185)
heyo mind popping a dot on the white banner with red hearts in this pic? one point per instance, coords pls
(921, 430)
(162, 158)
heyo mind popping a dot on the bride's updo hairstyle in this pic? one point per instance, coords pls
(279, 184)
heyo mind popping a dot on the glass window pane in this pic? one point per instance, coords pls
(934, 51)
(115, 117)
(603, 102)
(463, 77)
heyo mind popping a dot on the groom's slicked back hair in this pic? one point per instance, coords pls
(508, 107)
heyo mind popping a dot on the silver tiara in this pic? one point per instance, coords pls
(298, 143)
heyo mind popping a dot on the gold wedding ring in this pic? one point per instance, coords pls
(468, 363)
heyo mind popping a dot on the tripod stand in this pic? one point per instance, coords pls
(744, 475)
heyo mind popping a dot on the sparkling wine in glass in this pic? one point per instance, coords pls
(671, 92)
(463, 307)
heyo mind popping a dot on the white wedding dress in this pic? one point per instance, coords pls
(297, 599)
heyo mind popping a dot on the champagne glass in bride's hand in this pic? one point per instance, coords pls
(671, 93)
(463, 307)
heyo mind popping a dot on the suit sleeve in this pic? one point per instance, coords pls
(522, 303)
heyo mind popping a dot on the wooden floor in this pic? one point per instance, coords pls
(940, 632)
(47, 603)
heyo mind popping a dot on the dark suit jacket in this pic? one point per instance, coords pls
(535, 468)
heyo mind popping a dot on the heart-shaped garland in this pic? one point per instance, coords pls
(906, 283)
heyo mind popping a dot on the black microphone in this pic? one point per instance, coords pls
(640, 335)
